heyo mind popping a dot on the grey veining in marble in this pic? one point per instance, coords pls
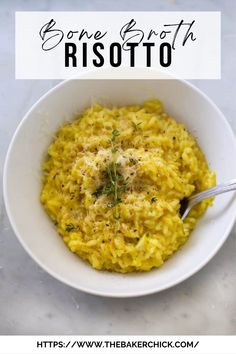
(31, 301)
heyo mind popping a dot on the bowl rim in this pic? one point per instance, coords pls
(72, 284)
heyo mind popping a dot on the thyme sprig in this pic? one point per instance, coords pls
(115, 184)
(69, 227)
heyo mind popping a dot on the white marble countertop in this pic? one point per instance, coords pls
(31, 301)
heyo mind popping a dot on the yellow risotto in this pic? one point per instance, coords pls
(113, 182)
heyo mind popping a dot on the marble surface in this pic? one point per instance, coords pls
(31, 301)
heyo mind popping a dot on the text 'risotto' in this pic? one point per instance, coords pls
(113, 182)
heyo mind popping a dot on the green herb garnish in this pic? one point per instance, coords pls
(114, 185)
(69, 227)
(99, 191)
(153, 200)
(123, 188)
(115, 133)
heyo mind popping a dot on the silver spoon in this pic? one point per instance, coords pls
(186, 204)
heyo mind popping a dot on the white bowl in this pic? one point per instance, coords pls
(22, 182)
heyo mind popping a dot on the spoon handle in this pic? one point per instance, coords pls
(211, 192)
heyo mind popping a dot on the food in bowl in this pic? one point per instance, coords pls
(113, 182)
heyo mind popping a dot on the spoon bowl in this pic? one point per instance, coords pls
(188, 203)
